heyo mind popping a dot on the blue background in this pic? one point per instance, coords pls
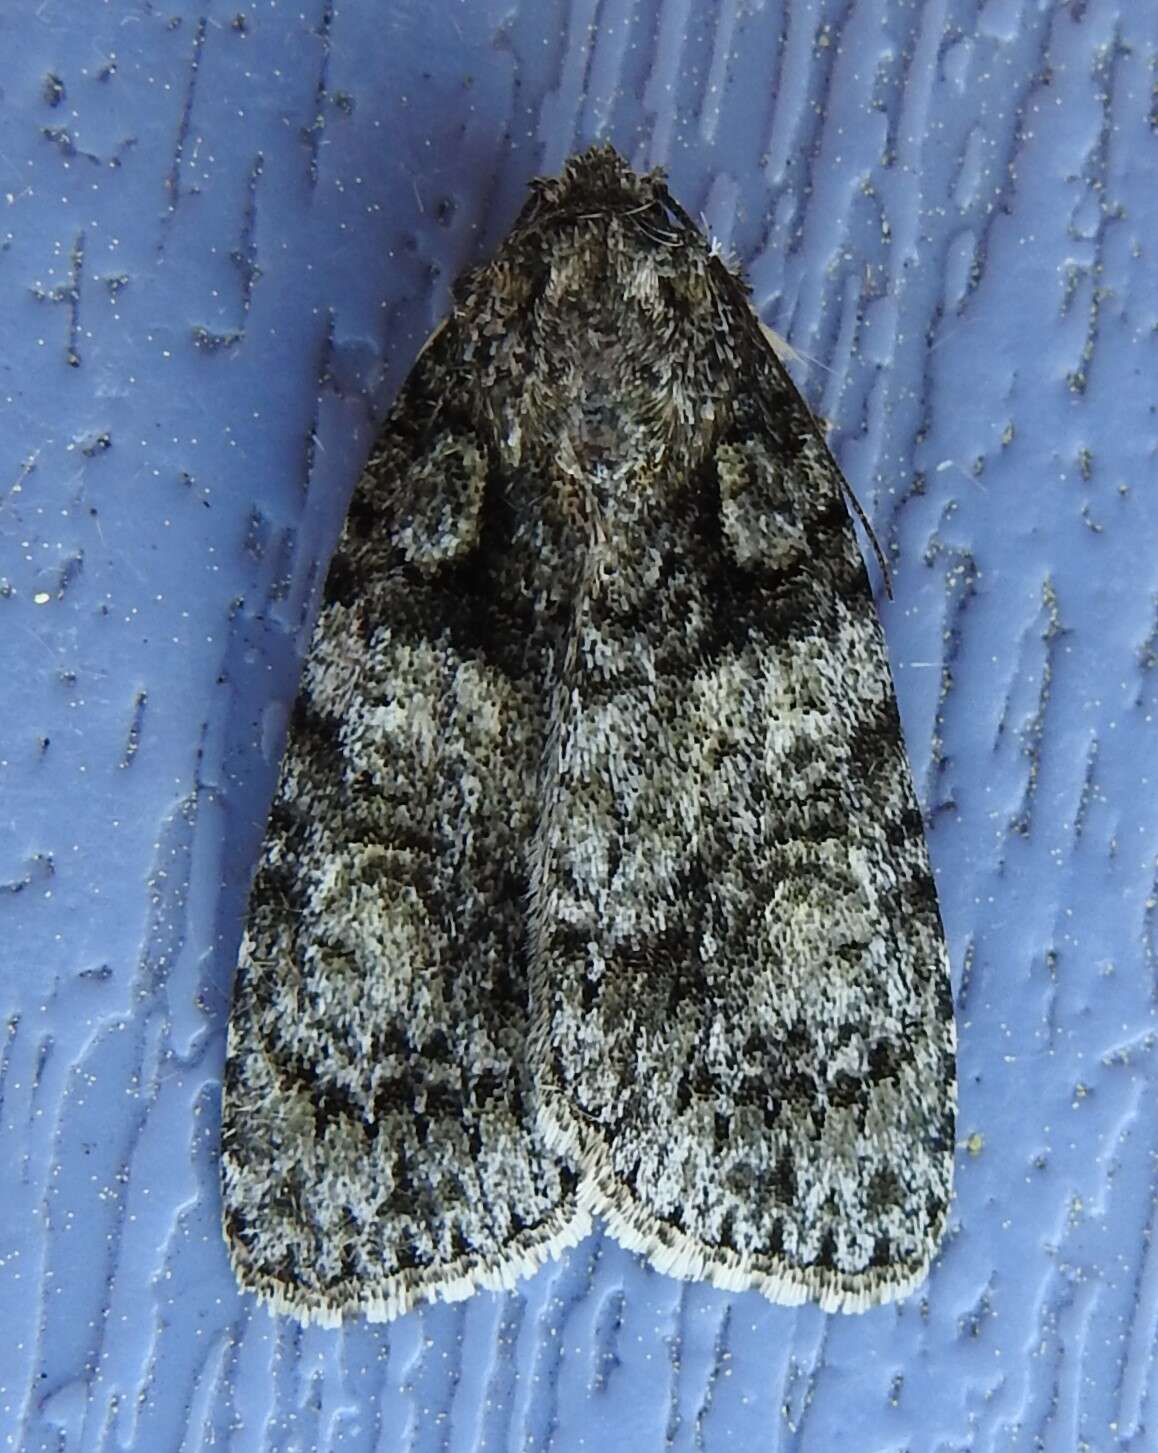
(225, 233)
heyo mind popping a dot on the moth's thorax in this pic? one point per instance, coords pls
(585, 328)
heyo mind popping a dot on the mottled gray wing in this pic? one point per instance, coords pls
(743, 1029)
(379, 1147)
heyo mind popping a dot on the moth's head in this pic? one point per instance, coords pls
(595, 181)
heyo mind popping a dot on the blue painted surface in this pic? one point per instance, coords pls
(225, 235)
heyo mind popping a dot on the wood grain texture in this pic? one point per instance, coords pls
(225, 241)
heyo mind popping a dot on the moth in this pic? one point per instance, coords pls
(595, 882)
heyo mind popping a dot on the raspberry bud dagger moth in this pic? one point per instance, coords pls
(595, 881)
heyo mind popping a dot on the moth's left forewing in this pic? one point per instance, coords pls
(379, 1149)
